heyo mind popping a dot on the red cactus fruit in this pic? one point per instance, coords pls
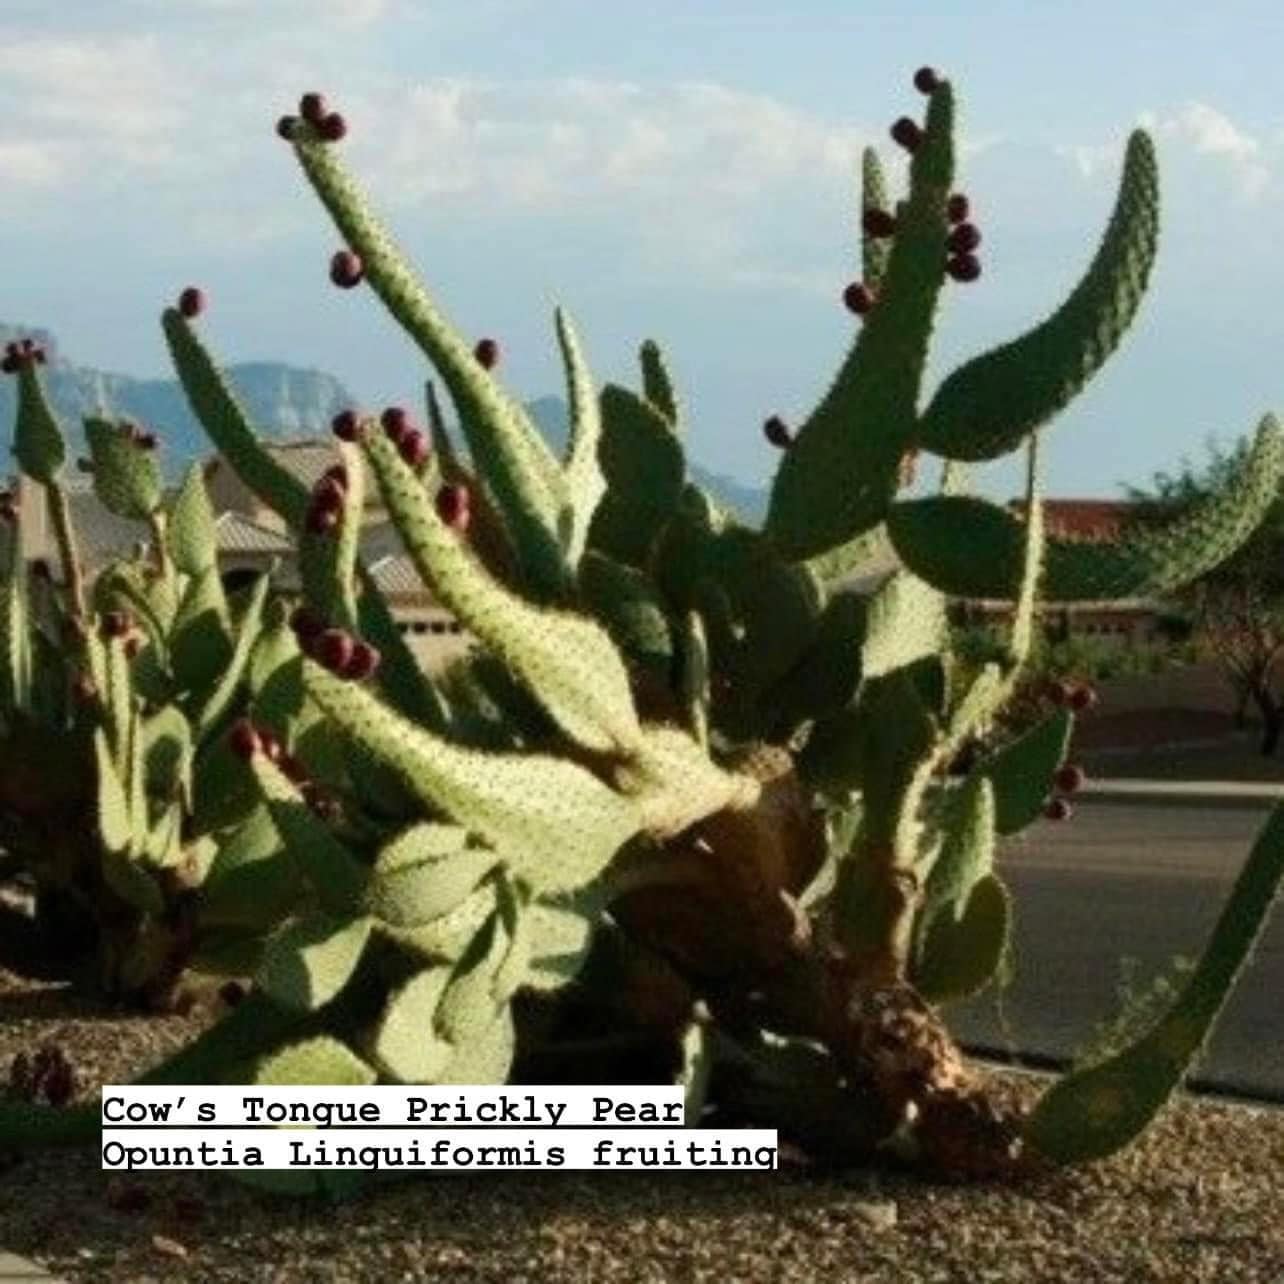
(907, 133)
(132, 647)
(306, 623)
(321, 521)
(487, 353)
(963, 267)
(1058, 693)
(116, 624)
(333, 650)
(286, 126)
(337, 473)
(40, 570)
(1083, 698)
(332, 127)
(191, 303)
(312, 108)
(145, 441)
(346, 269)
(85, 464)
(329, 493)
(243, 739)
(345, 425)
(777, 432)
(454, 506)
(9, 363)
(38, 356)
(878, 222)
(362, 663)
(231, 992)
(926, 80)
(292, 767)
(395, 422)
(1058, 809)
(1069, 778)
(858, 298)
(965, 238)
(83, 690)
(414, 448)
(8, 514)
(957, 208)
(59, 1081)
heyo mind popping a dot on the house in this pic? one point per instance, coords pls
(1128, 621)
(252, 539)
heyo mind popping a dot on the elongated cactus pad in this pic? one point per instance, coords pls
(1093, 1113)
(835, 480)
(988, 405)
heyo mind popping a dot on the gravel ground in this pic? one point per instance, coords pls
(1197, 1200)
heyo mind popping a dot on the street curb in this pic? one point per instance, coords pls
(17, 1270)
(1183, 793)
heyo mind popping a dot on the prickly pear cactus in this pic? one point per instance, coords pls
(687, 794)
(115, 705)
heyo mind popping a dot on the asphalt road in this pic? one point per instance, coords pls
(1144, 881)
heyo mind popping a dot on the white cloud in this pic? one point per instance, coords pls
(1200, 129)
(572, 143)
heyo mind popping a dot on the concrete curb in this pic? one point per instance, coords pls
(17, 1270)
(1255, 795)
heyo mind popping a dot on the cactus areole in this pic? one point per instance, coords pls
(744, 813)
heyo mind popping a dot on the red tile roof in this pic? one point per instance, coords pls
(1082, 518)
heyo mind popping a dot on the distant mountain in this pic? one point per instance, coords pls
(750, 503)
(282, 402)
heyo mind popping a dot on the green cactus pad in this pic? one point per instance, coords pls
(406, 1047)
(1021, 772)
(906, 622)
(335, 875)
(657, 384)
(989, 404)
(127, 478)
(970, 548)
(1095, 1112)
(310, 960)
(251, 882)
(628, 606)
(839, 474)
(38, 443)
(585, 484)
(645, 470)
(967, 850)
(487, 1057)
(190, 532)
(230, 681)
(553, 823)
(505, 445)
(960, 956)
(875, 250)
(406, 892)
(221, 415)
(567, 661)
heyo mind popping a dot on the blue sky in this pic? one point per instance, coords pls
(676, 170)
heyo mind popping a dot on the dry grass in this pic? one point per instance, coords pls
(1197, 1200)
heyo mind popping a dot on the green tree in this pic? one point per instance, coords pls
(1237, 608)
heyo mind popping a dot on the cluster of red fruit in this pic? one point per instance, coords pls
(333, 649)
(48, 1075)
(246, 739)
(23, 353)
(325, 506)
(964, 239)
(454, 504)
(329, 125)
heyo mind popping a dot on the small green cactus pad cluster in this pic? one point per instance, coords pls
(685, 786)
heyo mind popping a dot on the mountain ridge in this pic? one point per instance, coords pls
(284, 401)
